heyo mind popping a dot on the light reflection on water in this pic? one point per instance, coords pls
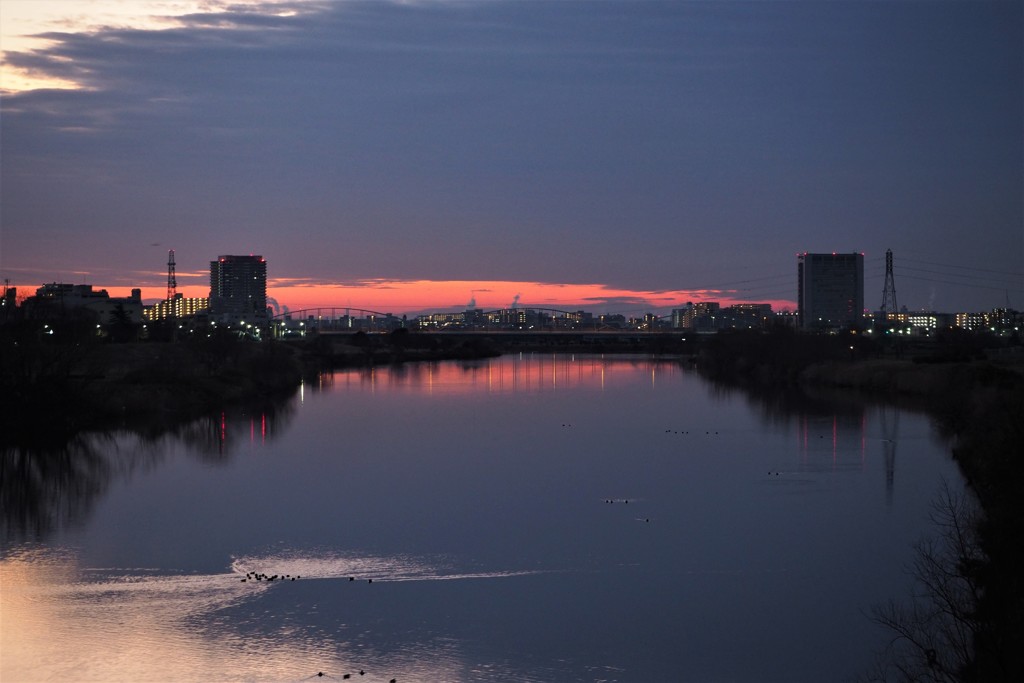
(487, 502)
(360, 567)
(517, 373)
(148, 624)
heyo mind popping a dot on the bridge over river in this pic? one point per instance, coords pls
(346, 347)
(532, 319)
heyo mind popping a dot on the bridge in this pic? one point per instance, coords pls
(328, 313)
(348, 319)
(340, 318)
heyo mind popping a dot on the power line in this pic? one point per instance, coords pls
(953, 265)
(970, 277)
(963, 284)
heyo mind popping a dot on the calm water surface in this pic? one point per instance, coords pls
(528, 518)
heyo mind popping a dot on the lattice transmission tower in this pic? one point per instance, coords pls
(172, 281)
(889, 291)
(890, 418)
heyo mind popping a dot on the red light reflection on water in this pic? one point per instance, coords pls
(839, 440)
(863, 442)
(263, 429)
(506, 374)
(835, 439)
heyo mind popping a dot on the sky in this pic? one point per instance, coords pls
(620, 157)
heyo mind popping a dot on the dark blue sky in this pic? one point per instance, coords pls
(644, 146)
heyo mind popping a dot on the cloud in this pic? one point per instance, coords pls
(650, 146)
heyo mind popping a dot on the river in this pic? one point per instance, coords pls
(524, 518)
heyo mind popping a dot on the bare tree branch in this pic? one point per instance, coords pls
(934, 632)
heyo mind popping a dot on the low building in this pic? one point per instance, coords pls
(701, 317)
(179, 307)
(612, 321)
(9, 303)
(1001, 321)
(58, 300)
(746, 317)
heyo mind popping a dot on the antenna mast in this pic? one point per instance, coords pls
(889, 292)
(172, 281)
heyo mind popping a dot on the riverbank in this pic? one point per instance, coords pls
(981, 405)
(401, 346)
(54, 391)
(977, 402)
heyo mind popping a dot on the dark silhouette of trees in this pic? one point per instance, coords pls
(967, 621)
(121, 327)
(935, 632)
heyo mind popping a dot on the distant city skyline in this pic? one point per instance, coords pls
(416, 297)
(294, 296)
(614, 156)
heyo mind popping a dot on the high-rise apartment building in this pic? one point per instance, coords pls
(830, 291)
(238, 288)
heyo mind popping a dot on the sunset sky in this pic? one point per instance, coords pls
(614, 156)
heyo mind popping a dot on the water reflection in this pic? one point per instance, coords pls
(890, 423)
(193, 627)
(515, 373)
(40, 490)
(47, 486)
(833, 425)
(451, 521)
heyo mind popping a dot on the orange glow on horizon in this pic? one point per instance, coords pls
(416, 296)
(420, 295)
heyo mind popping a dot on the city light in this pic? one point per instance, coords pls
(829, 286)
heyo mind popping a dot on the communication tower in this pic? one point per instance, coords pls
(889, 291)
(172, 282)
